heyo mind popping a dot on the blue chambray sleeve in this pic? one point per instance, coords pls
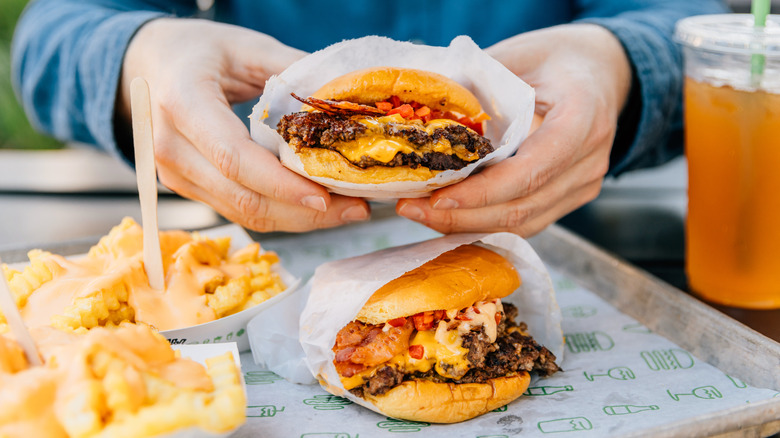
(650, 128)
(66, 64)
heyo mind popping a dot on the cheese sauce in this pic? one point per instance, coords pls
(189, 269)
(484, 316)
(34, 396)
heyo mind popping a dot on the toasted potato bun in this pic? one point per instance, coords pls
(331, 164)
(376, 84)
(454, 280)
(423, 400)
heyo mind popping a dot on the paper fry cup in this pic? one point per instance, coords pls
(199, 353)
(505, 98)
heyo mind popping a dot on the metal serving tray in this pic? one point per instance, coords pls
(703, 331)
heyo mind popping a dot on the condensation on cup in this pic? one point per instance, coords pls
(732, 143)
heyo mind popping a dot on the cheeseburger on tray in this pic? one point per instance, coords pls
(438, 345)
(387, 124)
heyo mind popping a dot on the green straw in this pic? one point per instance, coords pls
(759, 9)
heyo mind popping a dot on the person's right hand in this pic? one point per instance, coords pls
(196, 69)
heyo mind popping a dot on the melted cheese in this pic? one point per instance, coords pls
(376, 145)
(380, 148)
(442, 348)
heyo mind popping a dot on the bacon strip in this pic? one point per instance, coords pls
(361, 346)
(342, 107)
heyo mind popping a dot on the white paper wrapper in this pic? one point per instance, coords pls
(506, 98)
(339, 290)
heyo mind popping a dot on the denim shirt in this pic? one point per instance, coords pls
(67, 54)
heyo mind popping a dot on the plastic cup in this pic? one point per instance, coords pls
(732, 143)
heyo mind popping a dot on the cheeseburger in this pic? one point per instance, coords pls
(387, 124)
(438, 345)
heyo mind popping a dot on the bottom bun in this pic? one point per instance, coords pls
(423, 400)
(331, 164)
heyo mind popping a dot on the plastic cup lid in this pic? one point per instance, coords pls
(730, 33)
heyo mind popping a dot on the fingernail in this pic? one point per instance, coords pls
(412, 212)
(315, 202)
(354, 214)
(445, 204)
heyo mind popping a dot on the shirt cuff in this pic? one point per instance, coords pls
(101, 71)
(649, 130)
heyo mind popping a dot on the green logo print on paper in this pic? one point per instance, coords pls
(627, 409)
(636, 328)
(578, 311)
(573, 424)
(328, 435)
(564, 284)
(739, 383)
(588, 341)
(393, 425)
(617, 373)
(547, 390)
(703, 392)
(260, 377)
(327, 402)
(500, 409)
(263, 411)
(666, 360)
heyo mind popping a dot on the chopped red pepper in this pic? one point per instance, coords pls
(476, 309)
(397, 322)
(384, 106)
(439, 315)
(423, 321)
(422, 112)
(395, 100)
(416, 351)
(462, 317)
(498, 317)
(406, 111)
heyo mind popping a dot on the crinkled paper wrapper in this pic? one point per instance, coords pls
(505, 98)
(338, 290)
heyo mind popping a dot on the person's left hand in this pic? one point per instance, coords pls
(582, 79)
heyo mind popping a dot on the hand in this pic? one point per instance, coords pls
(196, 69)
(582, 78)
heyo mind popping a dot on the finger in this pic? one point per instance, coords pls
(270, 215)
(522, 217)
(251, 61)
(576, 187)
(208, 123)
(197, 179)
(543, 156)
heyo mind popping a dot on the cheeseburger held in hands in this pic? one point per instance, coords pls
(438, 345)
(387, 124)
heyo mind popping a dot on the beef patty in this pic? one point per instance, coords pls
(322, 130)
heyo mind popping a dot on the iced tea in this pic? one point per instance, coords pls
(733, 226)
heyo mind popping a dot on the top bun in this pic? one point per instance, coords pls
(379, 83)
(454, 280)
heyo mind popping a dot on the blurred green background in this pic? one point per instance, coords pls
(15, 130)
